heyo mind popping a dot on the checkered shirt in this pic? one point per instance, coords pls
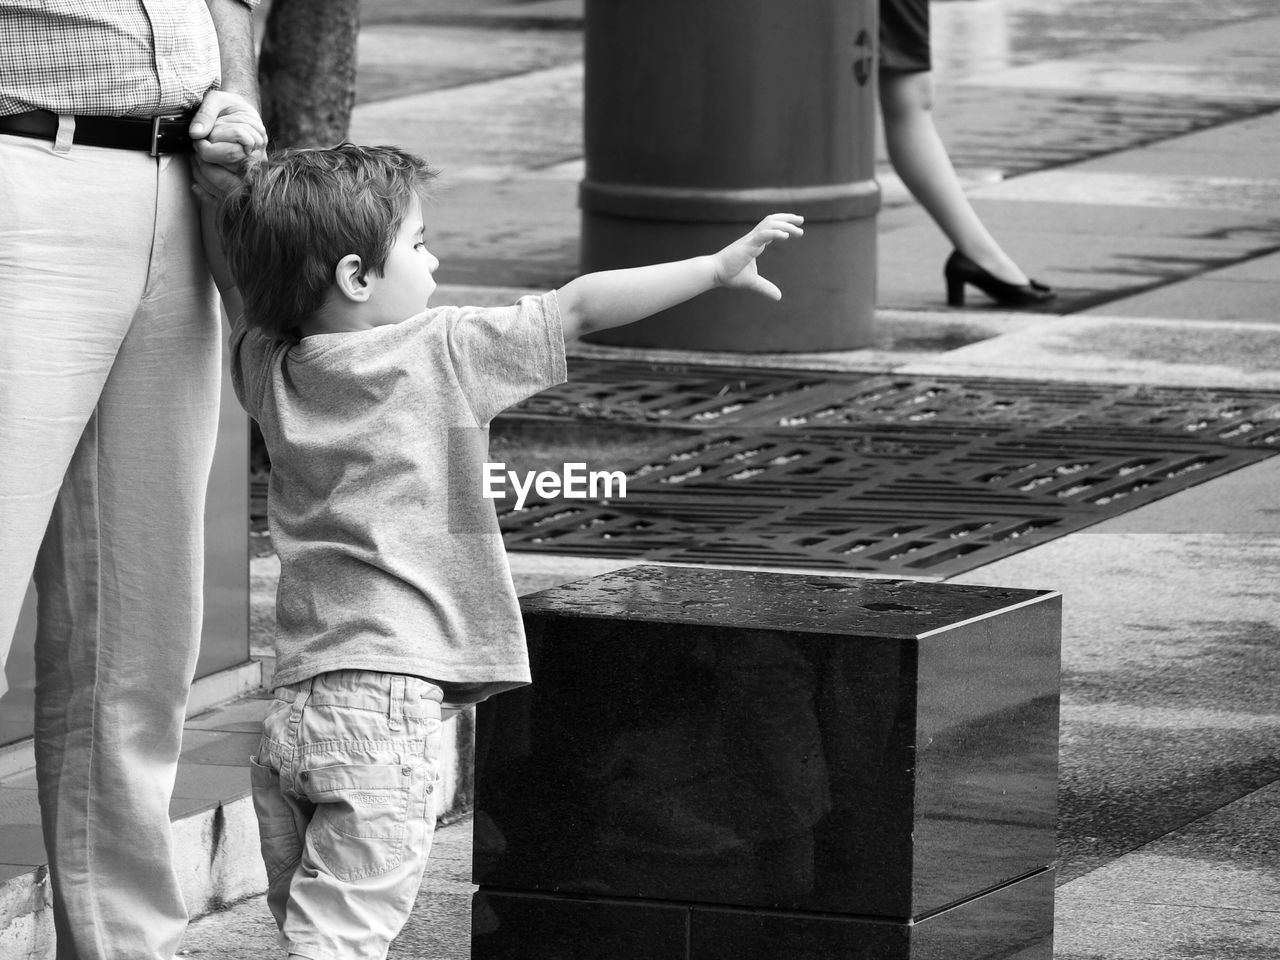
(106, 57)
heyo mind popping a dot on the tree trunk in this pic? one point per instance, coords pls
(307, 71)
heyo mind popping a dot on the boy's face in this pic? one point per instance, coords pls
(406, 282)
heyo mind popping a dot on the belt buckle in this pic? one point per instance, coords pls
(154, 151)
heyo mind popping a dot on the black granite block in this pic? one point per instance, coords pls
(506, 926)
(790, 742)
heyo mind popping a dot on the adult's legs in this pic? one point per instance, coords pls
(108, 242)
(919, 157)
(68, 287)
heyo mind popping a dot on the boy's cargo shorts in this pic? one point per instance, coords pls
(344, 786)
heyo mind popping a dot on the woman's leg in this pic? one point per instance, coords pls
(920, 159)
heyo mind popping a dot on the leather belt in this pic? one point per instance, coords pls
(155, 135)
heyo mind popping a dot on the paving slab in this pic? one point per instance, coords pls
(403, 59)
(513, 123)
(1160, 74)
(490, 14)
(1229, 859)
(1055, 111)
(1171, 650)
(1037, 30)
(1243, 53)
(1022, 128)
(219, 747)
(240, 716)
(1111, 349)
(211, 783)
(21, 839)
(1207, 298)
(1211, 172)
(1110, 930)
(1235, 46)
(1207, 891)
(512, 233)
(1141, 211)
(1254, 137)
(1170, 653)
(1246, 501)
(1099, 182)
(1265, 268)
(25, 873)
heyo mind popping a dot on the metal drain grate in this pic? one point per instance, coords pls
(670, 393)
(703, 396)
(897, 475)
(1228, 416)
(993, 498)
(912, 400)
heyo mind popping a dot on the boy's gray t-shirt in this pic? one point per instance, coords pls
(390, 559)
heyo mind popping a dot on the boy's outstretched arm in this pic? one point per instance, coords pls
(612, 298)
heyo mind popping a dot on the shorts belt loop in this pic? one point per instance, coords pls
(395, 716)
(291, 762)
(66, 134)
(299, 702)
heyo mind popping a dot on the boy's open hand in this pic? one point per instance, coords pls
(736, 264)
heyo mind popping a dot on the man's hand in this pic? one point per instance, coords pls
(735, 265)
(226, 133)
(236, 114)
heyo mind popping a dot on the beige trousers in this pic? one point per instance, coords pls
(109, 373)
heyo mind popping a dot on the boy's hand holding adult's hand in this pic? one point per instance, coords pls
(735, 265)
(226, 133)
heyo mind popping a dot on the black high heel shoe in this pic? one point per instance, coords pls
(960, 270)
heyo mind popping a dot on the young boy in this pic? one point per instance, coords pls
(395, 597)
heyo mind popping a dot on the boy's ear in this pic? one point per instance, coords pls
(349, 277)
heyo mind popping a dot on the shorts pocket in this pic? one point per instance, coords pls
(360, 819)
(280, 829)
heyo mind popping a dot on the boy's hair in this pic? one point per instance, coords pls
(296, 214)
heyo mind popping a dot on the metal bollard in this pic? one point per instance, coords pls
(703, 116)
